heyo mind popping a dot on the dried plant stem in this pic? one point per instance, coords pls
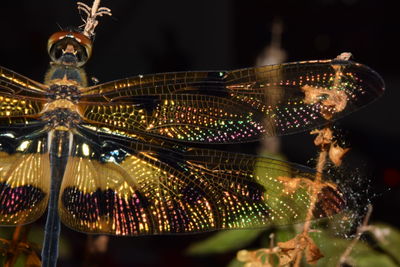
(360, 230)
(96, 248)
(298, 259)
(13, 252)
(318, 178)
(95, 6)
(98, 244)
(271, 247)
(92, 13)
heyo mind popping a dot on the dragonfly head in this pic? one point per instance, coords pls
(69, 48)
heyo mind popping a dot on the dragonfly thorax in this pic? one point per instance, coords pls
(68, 92)
(68, 51)
(61, 111)
(61, 74)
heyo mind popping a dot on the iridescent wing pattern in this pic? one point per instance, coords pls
(136, 156)
(24, 158)
(126, 173)
(24, 174)
(122, 186)
(21, 99)
(234, 106)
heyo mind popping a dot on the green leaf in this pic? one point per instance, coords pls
(20, 261)
(361, 255)
(283, 234)
(388, 239)
(224, 241)
(373, 260)
(36, 236)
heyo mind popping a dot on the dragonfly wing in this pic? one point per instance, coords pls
(24, 174)
(21, 99)
(24, 159)
(189, 118)
(121, 186)
(12, 83)
(234, 106)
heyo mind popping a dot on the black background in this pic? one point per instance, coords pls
(176, 35)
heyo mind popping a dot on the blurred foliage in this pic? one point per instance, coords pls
(332, 239)
(29, 256)
(383, 249)
(387, 238)
(363, 253)
(224, 241)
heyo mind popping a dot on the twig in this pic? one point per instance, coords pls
(13, 252)
(324, 141)
(96, 247)
(269, 259)
(360, 230)
(92, 13)
(318, 178)
(99, 244)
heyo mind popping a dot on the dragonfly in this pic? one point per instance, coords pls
(127, 157)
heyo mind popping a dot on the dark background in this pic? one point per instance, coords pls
(161, 36)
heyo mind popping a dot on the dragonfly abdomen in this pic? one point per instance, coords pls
(61, 118)
(63, 91)
(61, 111)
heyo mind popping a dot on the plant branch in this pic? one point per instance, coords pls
(92, 13)
(360, 230)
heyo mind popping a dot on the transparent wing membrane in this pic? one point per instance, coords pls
(24, 175)
(21, 99)
(131, 169)
(234, 106)
(121, 186)
(12, 83)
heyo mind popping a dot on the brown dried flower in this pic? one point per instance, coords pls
(336, 153)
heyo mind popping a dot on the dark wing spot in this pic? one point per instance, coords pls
(102, 203)
(13, 200)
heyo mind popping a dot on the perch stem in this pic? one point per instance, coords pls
(318, 177)
(360, 230)
(13, 252)
(92, 14)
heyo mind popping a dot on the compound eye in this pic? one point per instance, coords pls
(69, 47)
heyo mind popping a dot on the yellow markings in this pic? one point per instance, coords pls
(23, 146)
(61, 128)
(39, 147)
(18, 81)
(63, 81)
(61, 103)
(85, 150)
